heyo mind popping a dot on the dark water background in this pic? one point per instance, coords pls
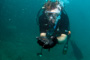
(18, 29)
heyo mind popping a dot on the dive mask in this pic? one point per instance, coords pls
(52, 14)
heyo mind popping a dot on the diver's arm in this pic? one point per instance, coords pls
(62, 38)
(64, 28)
(42, 26)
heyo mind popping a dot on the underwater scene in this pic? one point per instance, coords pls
(19, 28)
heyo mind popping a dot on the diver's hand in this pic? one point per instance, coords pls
(69, 32)
(43, 34)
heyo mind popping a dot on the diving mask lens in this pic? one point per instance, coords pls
(51, 16)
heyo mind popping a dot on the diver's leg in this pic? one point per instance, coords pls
(65, 48)
(66, 45)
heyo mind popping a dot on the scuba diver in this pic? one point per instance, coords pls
(54, 26)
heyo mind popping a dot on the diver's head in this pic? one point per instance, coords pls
(52, 14)
(51, 5)
(52, 10)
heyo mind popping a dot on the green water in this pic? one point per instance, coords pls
(18, 31)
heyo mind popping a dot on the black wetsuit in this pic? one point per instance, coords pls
(62, 25)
